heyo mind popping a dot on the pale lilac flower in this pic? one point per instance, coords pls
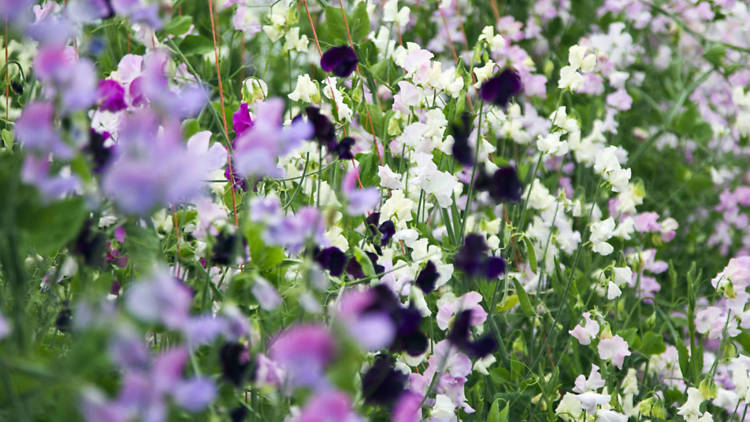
(266, 295)
(585, 333)
(614, 349)
(451, 305)
(329, 406)
(4, 327)
(302, 352)
(589, 400)
(35, 130)
(408, 408)
(268, 372)
(257, 148)
(160, 298)
(153, 167)
(372, 330)
(194, 394)
(36, 172)
(592, 383)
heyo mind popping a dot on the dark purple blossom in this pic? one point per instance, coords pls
(332, 259)
(427, 277)
(235, 362)
(503, 185)
(472, 261)
(341, 60)
(383, 384)
(500, 88)
(461, 149)
(460, 336)
(344, 148)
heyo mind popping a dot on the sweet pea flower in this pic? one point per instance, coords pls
(328, 406)
(303, 351)
(614, 349)
(585, 333)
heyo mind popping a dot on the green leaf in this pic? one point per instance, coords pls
(523, 299)
(359, 23)
(196, 45)
(49, 227)
(7, 139)
(652, 344)
(530, 253)
(178, 25)
(368, 168)
(684, 360)
(263, 256)
(142, 246)
(497, 415)
(190, 127)
(364, 262)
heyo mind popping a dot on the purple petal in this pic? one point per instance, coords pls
(341, 60)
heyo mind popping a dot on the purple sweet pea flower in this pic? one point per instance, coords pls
(408, 408)
(373, 330)
(329, 406)
(195, 394)
(303, 351)
(160, 298)
(341, 60)
(111, 96)
(241, 120)
(258, 147)
(153, 166)
(266, 295)
(500, 88)
(4, 327)
(35, 130)
(36, 172)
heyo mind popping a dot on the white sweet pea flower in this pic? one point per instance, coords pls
(601, 231)
(305, 91)
(613, 292)
(389, 179)
(570, 79)
(391, 13)
(295, 42)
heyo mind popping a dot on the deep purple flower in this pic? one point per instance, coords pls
(341, 60)
(331, 259)
(235, 362)
(500, 88)
(461, 149)
(494, 266)
(111, 96)
(344, 148)
(483, 346)
(471, 255)
(354, 269)
(224, 249)
(64, 320)
(323, 130)
(383, 384)
(100, 153)
(427, 277)
(238, 414)
(460, 336)
(241, 120)
(387, 230)
(90, 245)
(504, 185)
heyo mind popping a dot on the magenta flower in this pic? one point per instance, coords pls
(111, 96)
(241, 120)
